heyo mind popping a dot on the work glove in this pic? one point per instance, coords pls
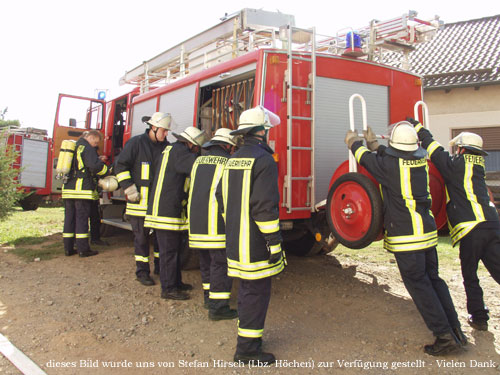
(371, 139)
(351, 137)
(412, 121)
(276, 253)
(132, 194)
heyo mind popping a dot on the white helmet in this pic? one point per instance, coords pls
(192, 135)
(469, 141)
(108, 183)
(404, 137)
(254, 118)
(222, 135)
(159, 119)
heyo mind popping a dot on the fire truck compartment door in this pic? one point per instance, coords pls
(34, 163)
(180, 104)
(332, 123)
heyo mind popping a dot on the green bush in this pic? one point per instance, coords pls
(9, 185)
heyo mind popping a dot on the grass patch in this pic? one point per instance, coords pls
(30, 227)
(448, 255)
(44, 253)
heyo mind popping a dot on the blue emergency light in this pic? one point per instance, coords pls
(353, 38)
(101, 95)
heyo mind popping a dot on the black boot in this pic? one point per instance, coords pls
(206, 302)
(88, 253)
(444, 344)
(184, 287)
(145, 279)
(71, 252)
(262, 358)
(99, 242)
(176, 294)
(224, 313)
(462, 339)
(480, 325)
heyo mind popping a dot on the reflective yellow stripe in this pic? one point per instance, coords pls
(156, 254)
(145, 171)
(252, 271)
(469, 191)
(240, 163)
(225, 179)
(269, 226)
(359, 153)
(213, 206)
(252, 333)
(460, 230)
(219, 295)
(103, 170)
(123, 176)
(79, 151)
(432, 147)
(205, 286)
(407, 193)
(244, 238)
(275, 249)
(68, 235)
(418, 127)
(82, 235)
(161, 177)
(166, 223)
(207, 245)
(411, 243)
(139, 258)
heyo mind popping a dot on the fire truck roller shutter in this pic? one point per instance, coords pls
(332, 121)
(141, 109)
(180, 104)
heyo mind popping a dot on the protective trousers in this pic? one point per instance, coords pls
(429, 292)
(95, 221)
(141, 246)
(480, 244)
(216, 284)
(170, 243)
(76, 225)
(253, 301)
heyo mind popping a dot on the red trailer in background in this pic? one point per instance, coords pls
(34, 159)
(254, 57)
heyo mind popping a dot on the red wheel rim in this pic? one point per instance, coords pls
(351, 211)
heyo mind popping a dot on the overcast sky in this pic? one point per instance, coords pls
(76, 46)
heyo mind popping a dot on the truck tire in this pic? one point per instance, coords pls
(354, 210)
(31, 202)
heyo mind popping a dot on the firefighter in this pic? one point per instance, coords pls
(206, 225)
(135, 170)
(472, 217)
(166, 212)
(410, 230)
(253, 239)
(78, 193)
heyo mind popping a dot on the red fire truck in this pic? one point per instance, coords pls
(254, 57)
(34, 159)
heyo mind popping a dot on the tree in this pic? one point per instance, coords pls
(4, 123)
(9, 184)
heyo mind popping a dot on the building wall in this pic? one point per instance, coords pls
(463, 108)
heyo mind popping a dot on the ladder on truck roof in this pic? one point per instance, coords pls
(251, 29)
(238, 33)
(307, 37)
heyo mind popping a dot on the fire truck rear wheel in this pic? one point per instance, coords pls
(354, 210)
(30, 203)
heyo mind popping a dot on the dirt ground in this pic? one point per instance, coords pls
(91, 316)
